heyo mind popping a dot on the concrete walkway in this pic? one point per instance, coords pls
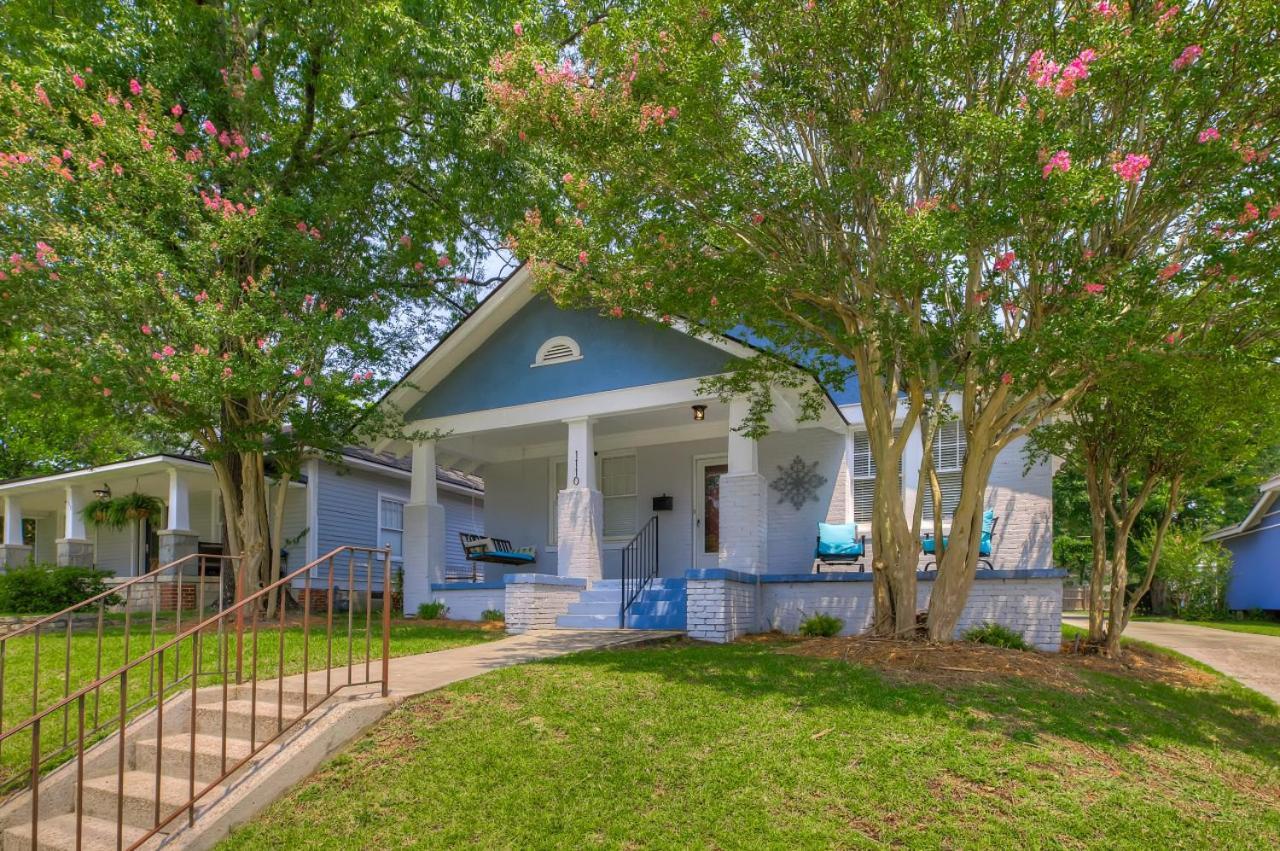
(1254, 660)
(413, 675)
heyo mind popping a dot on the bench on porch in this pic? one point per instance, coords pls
(484, 548)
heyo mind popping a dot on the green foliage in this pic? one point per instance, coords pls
(997, 636)
(45, 589)
(1195, 573)
(492, 616)
(432, 610)
(821, 625)
(1073, 554)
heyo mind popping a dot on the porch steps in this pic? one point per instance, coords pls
(663, 604)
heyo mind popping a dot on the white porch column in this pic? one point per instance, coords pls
(177, 540)
(744, 508)
(423, 529)
(13, 552)
(74, 547)
(580, 508)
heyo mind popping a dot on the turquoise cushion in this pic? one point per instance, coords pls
(507, 554)
(988, 521)
(984, 547)
(838, 539)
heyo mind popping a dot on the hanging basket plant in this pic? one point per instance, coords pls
(119, 512)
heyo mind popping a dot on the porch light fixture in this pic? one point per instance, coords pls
(699, 413)
(103, 493)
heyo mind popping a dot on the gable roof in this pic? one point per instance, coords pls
(509, 297)
(1270, 493)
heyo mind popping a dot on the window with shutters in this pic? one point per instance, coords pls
(948, 457)
(616, 478)
(862, 469)
(557, 350)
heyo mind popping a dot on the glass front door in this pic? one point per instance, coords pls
(706, 510)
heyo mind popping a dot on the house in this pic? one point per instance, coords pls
(601, 452)
(1254, 543)
(358, 501)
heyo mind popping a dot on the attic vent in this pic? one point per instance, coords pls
(557, 350)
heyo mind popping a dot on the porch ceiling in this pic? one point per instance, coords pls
(151, 477)
(640, 428)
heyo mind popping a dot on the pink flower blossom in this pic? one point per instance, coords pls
(1169, 271)
(1094, 289)
(117, 170)
(201, 297)
(1105, 9)
(1274, 213)
(582, 257)
(568, 177)
(97, 120)
(146, 329)
(314, 233)
(106, 391)
(209, 127)
(1209, 134)
(406, 241)
(77, 80)
(615, 312)
(168, 351)
(1189, 56)
(226, 372)
(256, 72)
(1130, 169)
(418, 266)
(178, 129)
(262, 344)
(1168, 15)
(135, 88)
(339, 313)
(42, 96)
(173, 376)
(717, 39)
(1006, 378)
(757, 218)
(1061, 161)
(1005, 261)
(1172, 339)
(302, 227)
(307, 381)
(517, 28)
(1250, 213)
(443, 260)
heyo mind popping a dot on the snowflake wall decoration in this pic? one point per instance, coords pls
(798, 483)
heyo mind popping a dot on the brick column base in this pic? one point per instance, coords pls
(75, 552)
(744, 522)
(423, 553)
(580, 534)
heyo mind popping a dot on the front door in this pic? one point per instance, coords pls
(706, 509)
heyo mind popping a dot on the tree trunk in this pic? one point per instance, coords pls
(958, 560)
(277, 539)
(242, 482)
(1099, 498)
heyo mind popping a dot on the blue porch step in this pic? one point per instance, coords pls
(663, 604)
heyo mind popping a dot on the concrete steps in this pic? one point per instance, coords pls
(59, 832)
(662, 605)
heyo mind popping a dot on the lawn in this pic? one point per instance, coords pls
(753, 745)
(407, 638)
(1257, 627)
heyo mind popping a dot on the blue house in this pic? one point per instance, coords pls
(1255, 553)
(604, 458)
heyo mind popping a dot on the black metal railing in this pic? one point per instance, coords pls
(639, 565)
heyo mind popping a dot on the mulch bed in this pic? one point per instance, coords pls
(962, 662)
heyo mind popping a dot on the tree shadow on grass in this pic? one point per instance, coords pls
(1106, 710)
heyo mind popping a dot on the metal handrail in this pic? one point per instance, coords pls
(154, 658)
(639, 565)
(172, 574)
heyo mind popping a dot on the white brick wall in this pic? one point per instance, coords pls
(467, 604)
(1024, 510)
(721, 610)
(1032, 607)
(580, 533)
(423, 553)
(531, 605)
(744, 532)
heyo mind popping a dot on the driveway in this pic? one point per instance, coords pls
(1252, 659)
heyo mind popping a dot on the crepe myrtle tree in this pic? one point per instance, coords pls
(962, 204)
(212, 229)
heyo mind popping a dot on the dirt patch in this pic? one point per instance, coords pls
(446, 623)
(961, 662)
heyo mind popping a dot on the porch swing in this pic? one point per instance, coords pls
(486, 549)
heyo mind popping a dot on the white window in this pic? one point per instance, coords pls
(391, 526)
(862, 469)
(618, 486)
(616, 474)
(948, 457)
(557, 350)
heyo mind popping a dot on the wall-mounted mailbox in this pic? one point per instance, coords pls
(662, 503)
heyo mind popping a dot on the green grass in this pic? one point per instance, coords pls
(741, 746)
(1256, 627)
(407, 638)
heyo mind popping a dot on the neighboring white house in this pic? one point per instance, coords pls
(591, 434)
(358, 502)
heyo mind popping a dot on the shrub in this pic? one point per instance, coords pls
(493, 615)
(41, 589)
(1194, 572)
(997, 636)
(821, 625)
(434, 609)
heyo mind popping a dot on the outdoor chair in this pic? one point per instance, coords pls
(839, 543)
(929, 544)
